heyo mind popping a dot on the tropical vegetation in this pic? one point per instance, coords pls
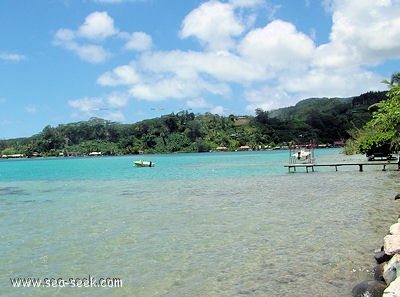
(383, 130)
(322, 120)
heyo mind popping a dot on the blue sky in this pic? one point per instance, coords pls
(65, 61)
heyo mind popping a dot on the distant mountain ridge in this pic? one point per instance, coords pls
(281, 113)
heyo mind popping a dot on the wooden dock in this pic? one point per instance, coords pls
(360, 165)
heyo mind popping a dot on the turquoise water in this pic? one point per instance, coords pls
(214, 224)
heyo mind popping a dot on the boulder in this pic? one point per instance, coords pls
(391, 269)
(370, 288)
(391, 244)
(395, 229)
(393, 290)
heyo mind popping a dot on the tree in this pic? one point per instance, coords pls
(384, 128)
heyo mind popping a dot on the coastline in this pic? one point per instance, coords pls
(386, 280)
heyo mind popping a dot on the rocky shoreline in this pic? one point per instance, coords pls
(387, 270)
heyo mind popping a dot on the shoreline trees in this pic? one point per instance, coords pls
(324, 120)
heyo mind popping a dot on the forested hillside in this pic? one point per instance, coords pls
(324, 120)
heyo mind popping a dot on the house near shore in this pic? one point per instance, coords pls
(245, 148)
(221, 148)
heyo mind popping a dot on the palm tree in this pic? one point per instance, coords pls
(394, 80)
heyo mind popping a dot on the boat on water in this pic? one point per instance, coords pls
(301, 156)
(142, 163)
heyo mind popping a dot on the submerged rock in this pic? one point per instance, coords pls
(378, 273)
(370, 288)
(382, 257)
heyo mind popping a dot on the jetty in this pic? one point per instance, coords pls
(360, 165)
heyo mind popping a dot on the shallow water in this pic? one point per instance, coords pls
(218, 224)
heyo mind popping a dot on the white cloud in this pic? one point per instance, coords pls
(267, 98)
(268, 66)
(11, 57)
(121, 75)
(117, 99)
(214, 24)
(87, 52)
(91, 53)
(342, 82)
(30, 109)
(103, 107)
(246, 3)
(97, 26)
(220, 65)
(198, 103)
(277, 46)
(218, 110)
(363, 33)
(139, 41)
(64, 36)
(86, 104)
(175, 88)
(116, 116)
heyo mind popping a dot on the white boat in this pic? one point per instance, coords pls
(301, 156)
(142, 163)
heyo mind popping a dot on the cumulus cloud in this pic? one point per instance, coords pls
(89, 40)
(278, 46)
(97, 26)
(214, 24)
(363, 33)
(175, 88)
(121, 75)
(221, 65)
(270, 65)
(139, 41)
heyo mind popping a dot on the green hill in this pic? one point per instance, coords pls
(323, 120)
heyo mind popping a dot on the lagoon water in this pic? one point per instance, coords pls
(213, 224)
